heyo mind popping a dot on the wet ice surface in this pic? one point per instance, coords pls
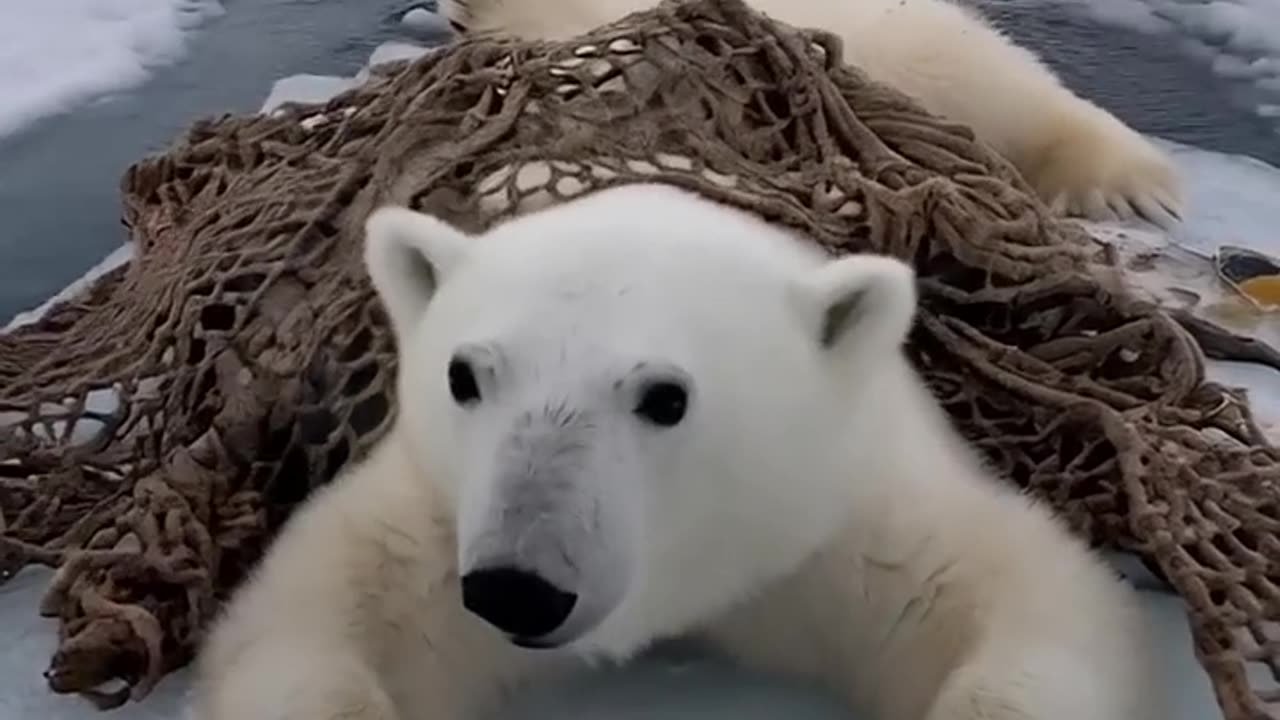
(675, 686)
(1233, 200)
(28, 641)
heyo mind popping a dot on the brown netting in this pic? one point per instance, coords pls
(160, 426)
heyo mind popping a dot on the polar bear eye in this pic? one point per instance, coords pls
(663, 403)
(462, 382)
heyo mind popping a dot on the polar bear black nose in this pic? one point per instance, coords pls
(517, 602)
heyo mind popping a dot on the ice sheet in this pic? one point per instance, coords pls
(56, 54)
(421, 20)
(306, 89)
(321, 88)
(1232, 199)
(674, 686)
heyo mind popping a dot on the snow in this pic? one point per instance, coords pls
(322, 88)
(57, 54)
(1240, 39)
(424, 21)
(673, 686)
(392, 51)
(1232, 200)
(306, 89)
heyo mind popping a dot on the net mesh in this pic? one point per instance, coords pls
(158, 427)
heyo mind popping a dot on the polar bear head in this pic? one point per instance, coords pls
(640, 405)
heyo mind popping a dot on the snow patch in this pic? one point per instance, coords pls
(392, 51)
(1231, 199)
(322, 88)
(424, 21)
(57, 54)
(306, 89)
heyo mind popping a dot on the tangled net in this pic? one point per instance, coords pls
(159, 427)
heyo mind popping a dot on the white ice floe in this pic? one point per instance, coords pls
(388, 52)
(322, 88)
(424, 21)
(392, 51)
(1239, 38)
(306, 89)
(57, 54)
(1233, 199)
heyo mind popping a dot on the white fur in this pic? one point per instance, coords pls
(813, 512)
(1078, 157)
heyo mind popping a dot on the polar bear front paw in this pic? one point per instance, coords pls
(276, 684)
(1096, 167)
(1045, 684)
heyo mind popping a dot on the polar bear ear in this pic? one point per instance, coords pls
(860, 302)
(408, 255)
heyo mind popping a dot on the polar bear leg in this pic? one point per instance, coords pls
(1034, 686)
(297, 683)
(352, 614)
(1079, 158)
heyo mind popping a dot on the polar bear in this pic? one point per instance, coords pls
(1079, 158)
(641, 415)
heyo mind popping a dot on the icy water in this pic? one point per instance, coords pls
(59, 179)
(1151, 81)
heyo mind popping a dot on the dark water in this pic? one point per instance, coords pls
(1146, 80)
(59, 181)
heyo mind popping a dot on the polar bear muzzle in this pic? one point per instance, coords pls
(544, 600)
(544, 542)
(522, 604)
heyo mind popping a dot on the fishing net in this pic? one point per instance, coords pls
(160, 425)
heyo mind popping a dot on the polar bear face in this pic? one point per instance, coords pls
(636, 403)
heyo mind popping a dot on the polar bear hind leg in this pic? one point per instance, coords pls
(1080, 159)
